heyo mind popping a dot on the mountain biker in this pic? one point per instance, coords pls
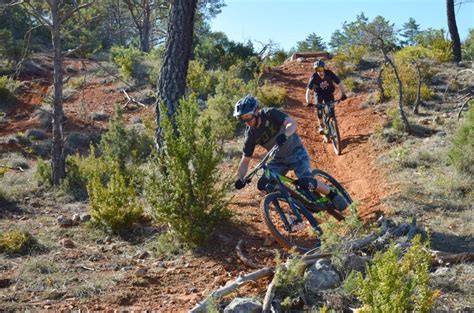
(268, 127)
(322, 82)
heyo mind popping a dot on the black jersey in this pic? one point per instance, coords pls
(324, 87)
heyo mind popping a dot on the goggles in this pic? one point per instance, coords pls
(319, 69)
(246, 117)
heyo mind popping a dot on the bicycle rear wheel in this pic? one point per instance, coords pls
(334, 134)
(331, 181)
(281, 222)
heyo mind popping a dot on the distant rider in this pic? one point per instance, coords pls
(322, 82)
(269, 127)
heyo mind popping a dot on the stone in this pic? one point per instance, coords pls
(141, 272)
(356, 263)
(244, 305)
(321, 276)
(85, 217)
(64, 221)
(142, 254)
(67, 243)
(76, 218)
(268, 242)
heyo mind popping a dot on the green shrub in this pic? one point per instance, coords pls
(8, 89)
(44, 174)
(437, 43)
(127, 59)
(229, 90)
(15, 241)
(393, 285)
(289, 282)
(404, 60)
(199, 81)
(353, 85)
(461, 154)
(342, 64)
(114, 205)
(394, 120)
(468, 46)
(271, 96)
(125, 145)
(185, 189)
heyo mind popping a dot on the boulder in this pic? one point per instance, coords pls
(244, 305)
(321, 276)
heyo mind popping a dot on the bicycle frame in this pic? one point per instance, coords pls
(299, 202)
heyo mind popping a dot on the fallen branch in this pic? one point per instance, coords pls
(439, 258)
(267, 301)
(241, 280)
(18, 168)
(243, 258)
(130, 99)
(463, 105)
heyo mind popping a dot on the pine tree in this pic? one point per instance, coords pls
(409, 31)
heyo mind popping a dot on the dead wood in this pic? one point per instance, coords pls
(229, 287)
(242, 257)
(466, 101)
(130, 99)
(439, 258)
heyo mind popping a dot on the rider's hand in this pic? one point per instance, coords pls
(281, 139)
(343, 97)
(239, 184)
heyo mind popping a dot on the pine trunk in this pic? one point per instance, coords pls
(453, 30)
(172, 80)
(57, 151)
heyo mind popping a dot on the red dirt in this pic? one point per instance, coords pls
(179, 284)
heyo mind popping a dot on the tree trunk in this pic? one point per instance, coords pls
(57, 150)
(172, 80)
(453, 30)
(380, 85)
(145, 31)
(418, 91)
(403, 117)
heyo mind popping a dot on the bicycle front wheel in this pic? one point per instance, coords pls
(282, 223)
(334, 134)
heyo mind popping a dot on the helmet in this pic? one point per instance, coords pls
(246, 105)
(319, 63)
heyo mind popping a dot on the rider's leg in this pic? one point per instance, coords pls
(319, 115)
(302, 168)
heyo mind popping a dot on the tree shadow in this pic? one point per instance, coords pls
(451, 243)
(9, 209)
(349, 141)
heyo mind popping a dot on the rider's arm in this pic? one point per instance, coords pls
(243, 167)
(341, 88)
(308, 95)
(290, 126)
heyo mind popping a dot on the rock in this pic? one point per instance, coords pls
(67, 243)
(244, 305)
(35, 134)
(108, 240)
(142, 254)
(441, 271)
(321, 276)
(99, 116)
(300, 60)
(356, 263)
(141, 272)
(85, 217)
(64, 221)
(268, 242)
(76, 218)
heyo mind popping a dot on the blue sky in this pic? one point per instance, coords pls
(287, 21)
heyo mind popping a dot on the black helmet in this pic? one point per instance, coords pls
(247, 104)
(319, 63)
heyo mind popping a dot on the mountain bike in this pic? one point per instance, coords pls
(289, 206)
(331, 130)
